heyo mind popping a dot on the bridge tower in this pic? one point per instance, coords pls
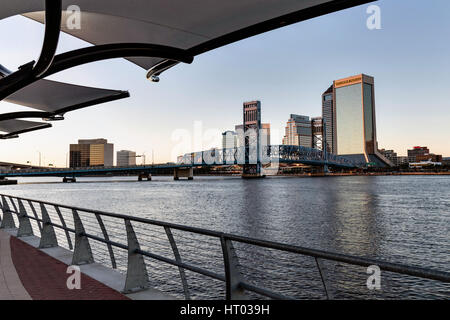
(252, 143)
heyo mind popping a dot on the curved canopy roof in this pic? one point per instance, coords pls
(55, 98)
(194, 25)
(11, 128)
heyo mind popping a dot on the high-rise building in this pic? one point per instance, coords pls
(91, 152)
(126, 158)
(298, 131)
(354, 124)
(328, 116)
(265, 134)
(229, 139)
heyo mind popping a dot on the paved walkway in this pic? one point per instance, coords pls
(28, 273)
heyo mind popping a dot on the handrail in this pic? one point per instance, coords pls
(235, 282)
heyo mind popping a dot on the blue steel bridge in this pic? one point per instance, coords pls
(270, 155)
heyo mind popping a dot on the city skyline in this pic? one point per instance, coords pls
(143, 122)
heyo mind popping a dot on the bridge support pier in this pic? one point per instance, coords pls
(252, 176)
(66, 179)
(183, 173)
(145, 176)
(252, 171)
(4, 181)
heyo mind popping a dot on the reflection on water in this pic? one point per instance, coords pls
(400, 219)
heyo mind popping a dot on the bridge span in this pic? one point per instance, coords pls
(271, 156)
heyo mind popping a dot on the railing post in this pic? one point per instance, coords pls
(322, 277)
(177, 255)
(14, 205)
(48, 236)
(35, 215)
(63, 222)
(233, 275)
(106, 237)
(8, 220)
(137, 276)
(82, 253)
(25, 228)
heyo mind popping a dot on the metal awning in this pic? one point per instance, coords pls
(56, 98)
(11, 128)
(196, 25)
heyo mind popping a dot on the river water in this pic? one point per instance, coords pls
(402, 219)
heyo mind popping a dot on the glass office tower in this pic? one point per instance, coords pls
(355, 116)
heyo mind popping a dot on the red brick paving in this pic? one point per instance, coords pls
(45, 278)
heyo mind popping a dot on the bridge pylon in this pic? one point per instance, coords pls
(183, 173)
(252, 167)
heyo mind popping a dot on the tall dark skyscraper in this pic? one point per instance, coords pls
(329, 119)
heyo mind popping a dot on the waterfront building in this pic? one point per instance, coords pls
(429, 157)
(126, 158)
(417, 151)
(390, 155)
(328, 117)
(402, 160)
(91, 152)
(354, 124)
(298, 131)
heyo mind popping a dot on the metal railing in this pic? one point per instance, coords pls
(106, 228)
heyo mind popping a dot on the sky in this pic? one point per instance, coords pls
(287, 69)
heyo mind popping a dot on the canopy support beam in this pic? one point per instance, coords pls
(53, 12)
(20, 79)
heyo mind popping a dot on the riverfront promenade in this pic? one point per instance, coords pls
(27, 273)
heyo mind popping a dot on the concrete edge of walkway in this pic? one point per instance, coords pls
(107, 276)
(11, 287)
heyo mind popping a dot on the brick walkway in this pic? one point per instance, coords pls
(44, 278)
